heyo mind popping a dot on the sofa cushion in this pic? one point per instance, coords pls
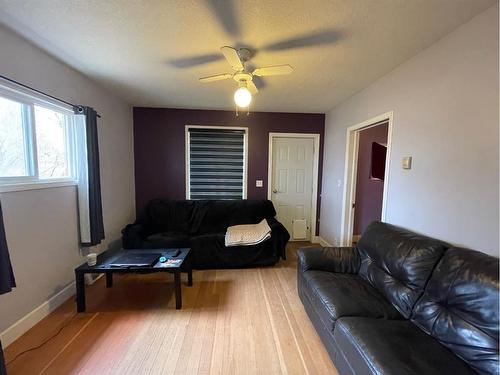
(377, 346)
(398, 263)
(335, 295)
(168, 240)
(460, 307)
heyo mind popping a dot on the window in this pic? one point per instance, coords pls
(15, 149)
(36, 139)
(216, 163)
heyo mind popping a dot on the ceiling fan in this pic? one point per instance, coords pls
(246, 87)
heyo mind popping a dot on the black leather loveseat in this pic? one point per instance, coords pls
(201, 225)
(401, 303)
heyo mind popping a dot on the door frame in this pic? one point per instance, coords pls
(314, 196)
(350, 173)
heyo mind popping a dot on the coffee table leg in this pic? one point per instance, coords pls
(189, 265)
(109, 280)
(178, 296)
(80, 292)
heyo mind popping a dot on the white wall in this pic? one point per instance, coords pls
(445, 102)
(42, 225)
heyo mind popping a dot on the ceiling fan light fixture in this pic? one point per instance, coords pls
(237, 59)
(242, 97)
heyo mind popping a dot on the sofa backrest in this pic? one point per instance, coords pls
(203, 216)
(460, 307)
(221, 214)
(164, 215)
(398, 263)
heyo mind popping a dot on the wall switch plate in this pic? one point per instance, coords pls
(407, 162)
(258, 183)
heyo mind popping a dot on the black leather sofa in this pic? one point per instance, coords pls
(401, 303)
(201, 225)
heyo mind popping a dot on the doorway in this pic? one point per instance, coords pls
(292, 182)
(366, 176)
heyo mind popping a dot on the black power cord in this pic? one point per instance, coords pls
(44, 342)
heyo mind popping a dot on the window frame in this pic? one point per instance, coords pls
(29, 100)
(188, 161)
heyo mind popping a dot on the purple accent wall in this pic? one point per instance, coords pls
(159, 147)
(369, 192)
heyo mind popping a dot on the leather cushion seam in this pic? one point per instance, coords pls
(306, 294)
(340, 351)
(358, 348)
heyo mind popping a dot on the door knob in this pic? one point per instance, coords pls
(275, 191)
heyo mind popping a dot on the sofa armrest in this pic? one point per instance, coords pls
(332, 259)
(132, 236)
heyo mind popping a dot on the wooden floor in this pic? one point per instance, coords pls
(245, 321)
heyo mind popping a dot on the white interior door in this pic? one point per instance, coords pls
(292, 185)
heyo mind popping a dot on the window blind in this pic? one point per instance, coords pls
(216, 163)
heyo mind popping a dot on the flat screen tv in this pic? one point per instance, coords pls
(377, 170)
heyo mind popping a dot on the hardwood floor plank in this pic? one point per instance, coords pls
(221, 350)
(33, 361)
(234, 321)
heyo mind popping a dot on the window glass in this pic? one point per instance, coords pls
(51, 142)
(216, 163)
(14, 160)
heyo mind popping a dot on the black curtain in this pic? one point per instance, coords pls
(94, 178)
(7, 281)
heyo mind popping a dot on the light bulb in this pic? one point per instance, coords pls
(242, 97)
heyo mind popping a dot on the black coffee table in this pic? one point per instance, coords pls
(105, 259)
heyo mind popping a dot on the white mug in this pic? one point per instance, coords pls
(92, 259)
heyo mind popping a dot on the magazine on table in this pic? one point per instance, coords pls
(170, 263)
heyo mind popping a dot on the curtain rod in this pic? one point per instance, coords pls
(40, 92)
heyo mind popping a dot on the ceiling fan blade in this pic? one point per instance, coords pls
(226, 13)
(232, 57)
(217, 77)
(188, 62)
(308, 40)
(259, 82)
(273, 70)
(251, 86)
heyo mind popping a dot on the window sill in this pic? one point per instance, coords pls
(36, 185)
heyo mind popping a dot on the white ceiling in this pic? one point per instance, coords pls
(143, 49)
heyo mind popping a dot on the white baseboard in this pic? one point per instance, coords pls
(25, 323)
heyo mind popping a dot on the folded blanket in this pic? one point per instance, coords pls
(247, 234)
